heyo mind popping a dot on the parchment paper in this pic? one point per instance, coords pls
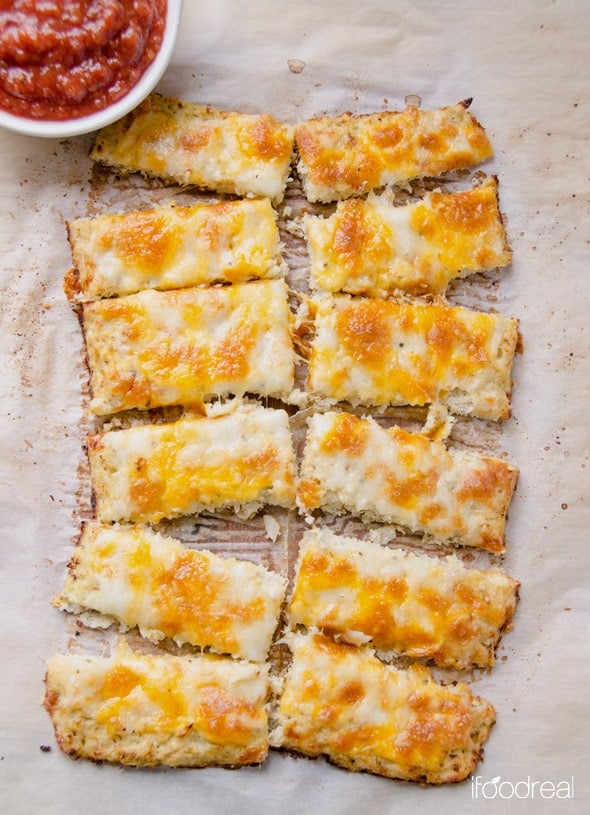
(527, 65)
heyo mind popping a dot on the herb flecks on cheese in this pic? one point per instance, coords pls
(172, 247)
(240, 461)
(351, 155)
(369, 351)
(372, 247)
(403, 603)
(187, 346)
(223, 151)
(342, 702)
(137, 577)
(352, 464)
(150, 710)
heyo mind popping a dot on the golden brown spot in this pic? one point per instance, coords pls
(351, 693)
(359, 243)
(441, 722)
(267, 139)
(320, 571)
(225, 717)
(182, 361)
(467, 596)
(395, 589)
(232, 355)
(71, 284)
(389, 134)
(365, 332)
(378, 620)
(142, 239)
(311, 688)
(434, 601)
(265, 462)
(194, 140)
(356, 739)
(187, 598)
(432, 142)
(254, 755)
(310, 492)
(413, 445)
(406, 492)
(461, 630)
(131, 390)
(457, 225)
(453, 344)
(333, 166)
(470, 211)
(483, 483)
(351, 235)
(145, 491)
(348, 434)
(431, 512)
(315, 563)
(308, 144)
(119, 682)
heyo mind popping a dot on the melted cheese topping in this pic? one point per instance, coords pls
(148, 710)
(375, 352)
(188, 345)
(149, 472)
(351, 155)
(355, 465)
(342, 702)
(224, 151)
(407, 604)
(140, 578)
(173, 247)
(371, 247)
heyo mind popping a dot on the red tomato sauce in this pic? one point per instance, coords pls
(63, 59)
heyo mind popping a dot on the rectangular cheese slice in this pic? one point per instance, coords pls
(369, 351)
(239, 461)
(186, 346)
(354, 465)
(223, 151)
(148, 710)
(172, 247)
(137, 577)
(342, 702)
(405, 604)
(351, 155)
(372, 247)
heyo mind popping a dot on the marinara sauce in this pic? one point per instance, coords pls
(63, 59)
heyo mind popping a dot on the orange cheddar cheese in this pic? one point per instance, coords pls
(351, 155)
(342, 702)
(369, 351)
(404, 604)
(355, 465)
(150, 710)
(223, 151)
(372, 247)
(137, 577)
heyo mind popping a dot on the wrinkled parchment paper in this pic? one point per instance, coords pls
(526, 64)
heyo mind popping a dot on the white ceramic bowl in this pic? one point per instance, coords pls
(87, 124)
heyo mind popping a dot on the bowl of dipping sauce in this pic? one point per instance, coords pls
(69, 67)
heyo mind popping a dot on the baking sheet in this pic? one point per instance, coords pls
(526, 65)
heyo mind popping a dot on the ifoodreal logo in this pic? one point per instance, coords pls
(532, 789)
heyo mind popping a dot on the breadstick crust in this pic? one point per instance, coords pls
(341, 702)
(197, 145)
(349, 155)
(147, 710)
